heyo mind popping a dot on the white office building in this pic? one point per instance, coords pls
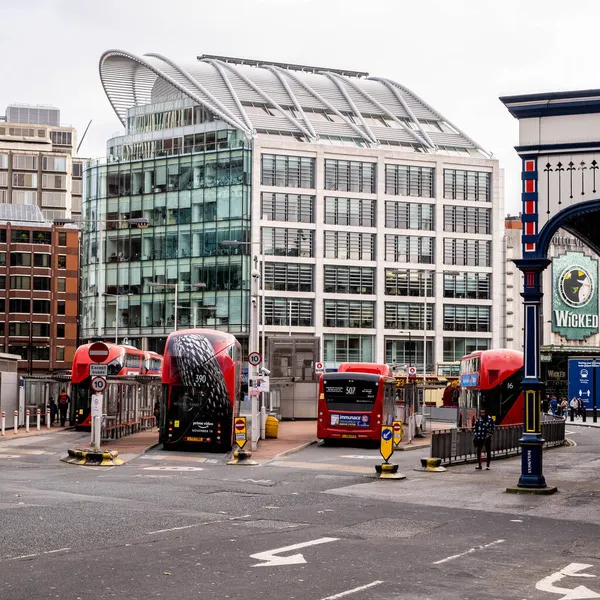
(380, 223)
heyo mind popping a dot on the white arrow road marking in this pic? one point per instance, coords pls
(469, 551)
(296, 559)
(572, 570)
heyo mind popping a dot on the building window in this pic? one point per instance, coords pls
(61, 138)
(288, 312)
(41, 307)
(62, 284)
(404, 180)
(27, 180)
(54, 163)
(473, 253)
(408, 248)
(460, 317)
(20, 236)
(3, 179)
(409, 352)
(350, 211)
(20, 259)
(3, 239)
(60, 307)
(409, 215)
(56, 199)
(408, 282)
(60, 330)
(77, 169)
(407, 315)
(26, 162)
(19, 305)
(349, 313)
(54, 182)
(40, 260)
(349, 280)
(2, 259)
(18, 329)
(20, 282)
(2, 305)
(288, 277)
(40, 353)
(288, 171)
(467, 185)
(456, 348)
(348, 245)
(467, 285)
(350, 176)
(341, 348)
(24, 197)
(3, 161)
(466, 219)
(278, 241)
(62, 261)
(2, 282)
(62, 238)
(41, 329)
(60, 353)
(21, 351)
(294, 208)
(42, 284)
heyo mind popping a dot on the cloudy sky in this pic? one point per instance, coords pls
(458, 55)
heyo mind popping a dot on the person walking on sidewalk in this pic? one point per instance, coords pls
(63, 407)
(53, 411)
(483, 430)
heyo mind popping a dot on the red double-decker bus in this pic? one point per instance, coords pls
(491, 379)
(202, 379)
(355, 402)
(122, 361)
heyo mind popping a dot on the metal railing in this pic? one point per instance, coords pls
(456, 445)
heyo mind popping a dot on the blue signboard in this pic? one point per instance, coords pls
(470, 380)
(582, 375)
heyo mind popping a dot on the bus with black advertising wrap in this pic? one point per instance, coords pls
(355, 402)
(202, 378)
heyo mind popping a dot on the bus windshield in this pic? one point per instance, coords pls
(350, 394)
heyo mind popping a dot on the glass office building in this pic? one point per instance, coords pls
(375, 224)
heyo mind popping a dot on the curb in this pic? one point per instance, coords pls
(569, 424)
(43, 431)
(410, 448)
(148, 448)
(295, 449)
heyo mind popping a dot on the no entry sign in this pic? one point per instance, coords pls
(98, 352)
(240, 432)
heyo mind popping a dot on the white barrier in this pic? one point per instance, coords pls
(38, 415)
(16, 417)
(27, 421)
(48, 418)
(3, 425)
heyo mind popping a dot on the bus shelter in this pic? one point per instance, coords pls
(128, 405)
(41, 389)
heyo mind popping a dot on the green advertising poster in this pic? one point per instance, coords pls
(574, 295)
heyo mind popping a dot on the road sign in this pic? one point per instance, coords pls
(98, 384)
(584, 380)
(254, 358)
(263, 383)
(96, 405)
(412, 371)
(397, 425)
(98, 352)
(319, 367)
(240, 432)
(387, 442)
(98, 370)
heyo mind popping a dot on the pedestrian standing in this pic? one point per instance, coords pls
(63, 407)
(574, 407)
(554, 405)
(53, 411)
(580, 407)
(564, 407)
(483, 430)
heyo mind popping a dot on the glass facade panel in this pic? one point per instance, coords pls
(289, 312)
(409, 352)
(348, 245)
(467, 285)
(278, 241)
(408, 248)
(466, 219)
(340, 348)
(467, 185)
(462, 317)
(349, 280)
(288, 277)
(288, 171)
(350, 211)
(408, 282)
(465, 252)
(409, 215)
(404, 180)
(406, 315)
(456, 348)
(350, 176)
(294, 208)
(349, 313)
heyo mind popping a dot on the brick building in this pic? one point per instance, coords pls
(39, 279)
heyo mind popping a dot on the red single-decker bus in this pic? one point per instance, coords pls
(202, 378)
(356, 401)
(491, 379)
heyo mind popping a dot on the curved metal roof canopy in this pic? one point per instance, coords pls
(308, 103)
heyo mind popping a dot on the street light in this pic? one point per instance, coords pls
(117, 296)
(176, 287)
(140, 223)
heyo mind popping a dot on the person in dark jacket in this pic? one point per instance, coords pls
(483, 430)
(63, 407)
(53, 411)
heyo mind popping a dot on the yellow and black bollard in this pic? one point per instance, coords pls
(241, 456)
(431, 465)
(386, 470)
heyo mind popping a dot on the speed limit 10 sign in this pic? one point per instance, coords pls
(98, 384)
(254, 358)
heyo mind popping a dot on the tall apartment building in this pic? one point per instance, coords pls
(39, 279)
(37, 161)
(379, 223)
(570, 304)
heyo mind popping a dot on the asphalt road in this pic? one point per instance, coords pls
(313, 526)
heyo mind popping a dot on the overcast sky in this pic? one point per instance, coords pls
(458, 55)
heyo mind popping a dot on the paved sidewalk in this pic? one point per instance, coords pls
(292, 437)
(21, 433)
(132, 446)
(579, 422)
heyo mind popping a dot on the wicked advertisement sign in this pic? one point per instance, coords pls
(574, 296)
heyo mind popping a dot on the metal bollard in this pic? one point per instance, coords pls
(48, 418)
(27, 421)
(38, 415)
(16, 416)
(263, 422)
(3, 426)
